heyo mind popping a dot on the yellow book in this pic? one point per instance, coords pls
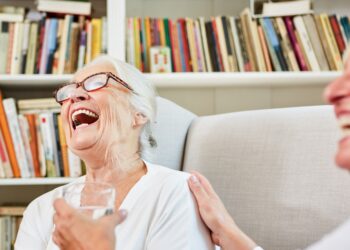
(332, 42)
(96, 39)
(137, 42)
(148, 43)
(161, 31)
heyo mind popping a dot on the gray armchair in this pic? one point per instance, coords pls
(274, 169)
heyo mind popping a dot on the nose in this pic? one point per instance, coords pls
(78, 95)
(339, 88)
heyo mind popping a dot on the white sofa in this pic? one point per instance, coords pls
(274, 169)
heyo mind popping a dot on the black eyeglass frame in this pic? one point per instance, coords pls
(81, 84)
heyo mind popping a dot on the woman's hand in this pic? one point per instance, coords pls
(224, 231)
(74, 230)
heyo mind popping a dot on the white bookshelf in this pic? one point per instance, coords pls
(35, 181)
(192, 80)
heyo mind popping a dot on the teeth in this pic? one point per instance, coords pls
(344, 123)
(83, 111)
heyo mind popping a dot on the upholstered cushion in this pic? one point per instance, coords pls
(170, 132)
(275, 171)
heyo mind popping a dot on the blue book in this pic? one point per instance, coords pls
(271, 33)
(181, 47)
(52, 44)
(344, 21)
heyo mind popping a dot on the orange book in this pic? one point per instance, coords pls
(148, 43)
(8, 140)
(64, 147)
(264, 49)
(33, 143)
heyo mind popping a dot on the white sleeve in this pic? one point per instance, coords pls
(338, 239)
(177, 224)
(30, 236)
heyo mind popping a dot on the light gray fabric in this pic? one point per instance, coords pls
(170, 132)
(275, 171)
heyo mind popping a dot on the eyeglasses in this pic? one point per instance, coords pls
(90, 83)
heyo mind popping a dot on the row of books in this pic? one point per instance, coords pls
(10, 219)
(32, 141)
(241, 44)
(50, 44)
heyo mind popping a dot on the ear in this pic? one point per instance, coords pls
(139, 120)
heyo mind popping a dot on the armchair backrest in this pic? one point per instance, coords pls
(170, 132)
(275, 171)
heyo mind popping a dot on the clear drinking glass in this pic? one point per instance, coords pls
(94, 199)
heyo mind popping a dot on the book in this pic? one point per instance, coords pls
(205, 45)
(65, 7)
(264, 49)
(64, 147)
(337, 33)
(316, 42)
(306, 43)
(96, 45)
(33, 142)
(4, 44)
(222, 44)
(5, 164)
(296, 46)
(12, 14)
(237, 45)
(286, 8)
(25, 133)
(286, 45)
(15, 132)
(6, 133)
(32, 48)
(192, 45)
(248, 40)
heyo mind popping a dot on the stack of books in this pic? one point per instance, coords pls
(10, 219)
(32, 141)
(312, 42)
(50, 40)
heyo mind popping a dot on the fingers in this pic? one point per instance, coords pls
(204, 182)
(62, 208)
(197, 189)
(117, 217)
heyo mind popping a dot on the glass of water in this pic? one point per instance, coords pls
(94, 199)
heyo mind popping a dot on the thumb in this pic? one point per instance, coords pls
(116, 218)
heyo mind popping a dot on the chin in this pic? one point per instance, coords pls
(343, 157)
(82, 143)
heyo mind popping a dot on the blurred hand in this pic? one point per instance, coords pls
(74, 230)
(224, 231)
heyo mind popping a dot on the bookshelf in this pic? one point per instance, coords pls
(202, 93)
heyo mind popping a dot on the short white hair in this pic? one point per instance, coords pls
(144, 101)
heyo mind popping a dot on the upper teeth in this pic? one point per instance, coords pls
(344, 122)
(83, 111)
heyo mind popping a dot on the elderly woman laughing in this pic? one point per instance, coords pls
(107, 112)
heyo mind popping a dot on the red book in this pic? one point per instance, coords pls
(215, 30)
(184, 39)
(337, 33)
(296, 47)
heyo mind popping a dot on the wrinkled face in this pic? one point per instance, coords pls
(338, 94)
(96, 119)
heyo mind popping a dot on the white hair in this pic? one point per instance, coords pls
(144, 99)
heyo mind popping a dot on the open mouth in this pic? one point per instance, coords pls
(344, 123)
(83, 117)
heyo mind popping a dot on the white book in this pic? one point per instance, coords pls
(24, 127)
(130, 46)
(199, 46)
(16, 41)
(205, 44)
(306, 43)
(237, 44)
(104, 35)
(49, 144)
(88, 42)
(71, 7)
(12, 119)
(4, 41)
(286, 8)
(7, 17)
(44, 51)
(74, 163)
